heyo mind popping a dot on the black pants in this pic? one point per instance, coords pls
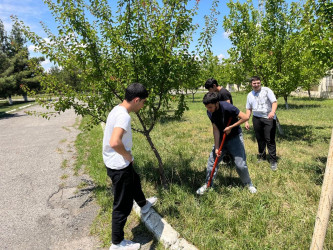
(126, 188)
(265, 130)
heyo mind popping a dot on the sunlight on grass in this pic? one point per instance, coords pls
(280, 215)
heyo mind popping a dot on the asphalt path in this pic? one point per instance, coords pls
(40, 205)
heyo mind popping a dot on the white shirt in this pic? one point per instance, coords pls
(261, 102)
(118, 118)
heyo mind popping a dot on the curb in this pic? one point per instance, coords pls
(19, 108)
(161, 229)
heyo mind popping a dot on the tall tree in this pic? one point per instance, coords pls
(67, 76)
(7, 84)
(266, 44)
(17, 71)
(141, 41)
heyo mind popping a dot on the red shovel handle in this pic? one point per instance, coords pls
(217, 157)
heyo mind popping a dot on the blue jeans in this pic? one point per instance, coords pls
(235, 147)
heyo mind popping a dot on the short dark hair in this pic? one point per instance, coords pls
(210, 98)
(135, 90)
(254, 78)
(210, 82)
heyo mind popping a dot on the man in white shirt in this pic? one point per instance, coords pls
(262, 102)
(118, 159)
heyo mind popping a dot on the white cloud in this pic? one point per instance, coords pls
(45, 63)
(32, 48)
(47, 40)
(7, 26)
(226, 34)
(220, 57)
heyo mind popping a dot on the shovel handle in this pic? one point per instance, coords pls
(217, 157)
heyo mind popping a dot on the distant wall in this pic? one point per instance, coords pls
(323, 90)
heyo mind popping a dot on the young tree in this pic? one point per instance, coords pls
(317, 44)
(142, 41)
(267, 45)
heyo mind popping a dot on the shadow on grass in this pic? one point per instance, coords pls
(179, 173)
(142, 235)
(319, 170)
(302, 133)
(298, 106)
(168, 119)
(295, 133)
(308, 99)
(4, 115)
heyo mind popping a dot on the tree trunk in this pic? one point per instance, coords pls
(146, 132)
(192, 96)
(286, 101)
(325, 203)
(25, 97)
(159, 159)
(10, 100)
(309, 93)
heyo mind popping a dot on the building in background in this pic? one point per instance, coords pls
(323, 90)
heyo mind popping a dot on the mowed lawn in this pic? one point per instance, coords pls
(281, 215)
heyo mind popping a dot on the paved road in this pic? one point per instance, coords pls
(39, 204)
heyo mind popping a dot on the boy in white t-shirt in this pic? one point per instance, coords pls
(262, 102)
(118, 159)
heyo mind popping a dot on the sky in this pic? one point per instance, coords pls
(32, 12)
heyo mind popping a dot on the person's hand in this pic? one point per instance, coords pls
(247, 125)
(128, 156)
(227, 130)
(218, 154)
(271, 115)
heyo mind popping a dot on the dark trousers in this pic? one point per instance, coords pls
(126, 188)
(265, 130)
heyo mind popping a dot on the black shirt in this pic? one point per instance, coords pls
(224, 95)
(221, 117)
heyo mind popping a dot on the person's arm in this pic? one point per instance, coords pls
(216, 133)
(117, 144)
(272, 113)
(248, 114)
(242, 118)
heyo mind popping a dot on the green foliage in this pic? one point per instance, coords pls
(142, 41)
(18, 73)
(69, 77)
(281, 44)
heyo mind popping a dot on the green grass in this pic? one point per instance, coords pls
(280, 216)
(18, 102)
(5, 107)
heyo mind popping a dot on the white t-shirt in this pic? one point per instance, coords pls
(261, 102)
(118, 118)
